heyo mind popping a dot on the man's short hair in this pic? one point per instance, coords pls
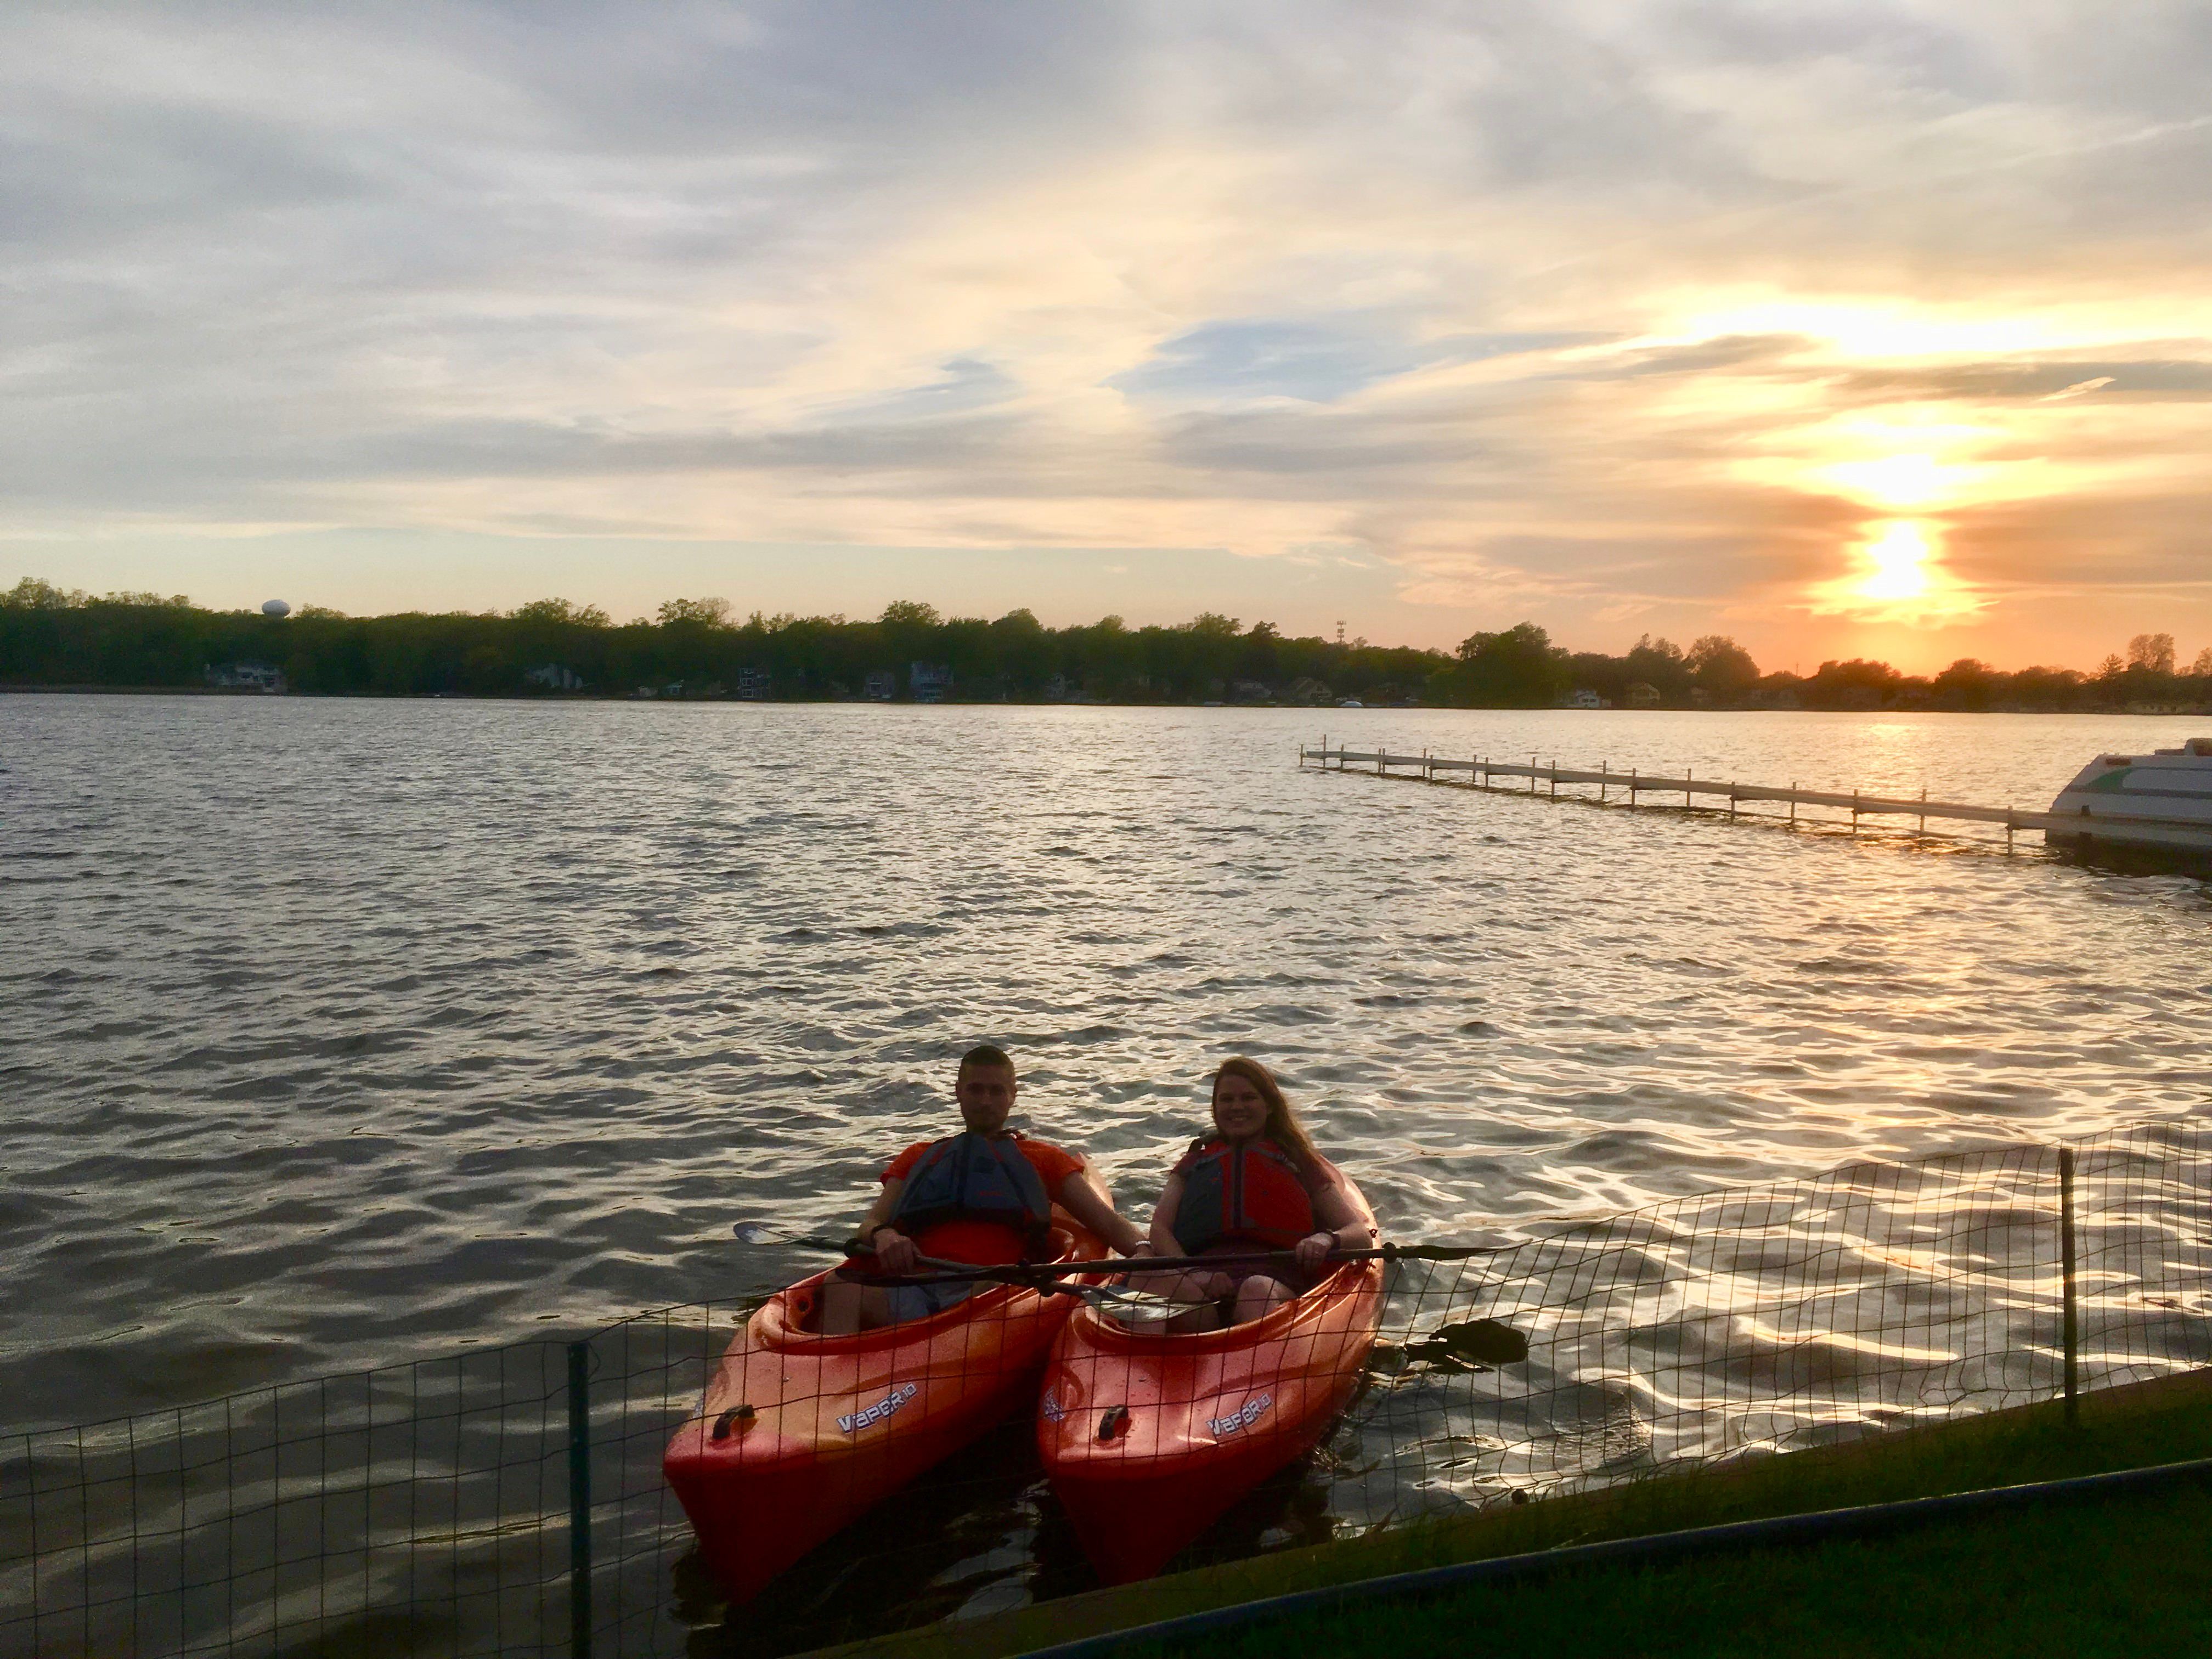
(985, 1054)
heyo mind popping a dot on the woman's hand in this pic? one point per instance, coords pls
(894, 1251)
(1313, 1249)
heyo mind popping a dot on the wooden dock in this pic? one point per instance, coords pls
(1624, 789)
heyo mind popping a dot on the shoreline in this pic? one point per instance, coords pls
(252, 694)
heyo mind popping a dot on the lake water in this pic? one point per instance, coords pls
(343, 1032)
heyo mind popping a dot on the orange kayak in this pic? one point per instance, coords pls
(799, 1434)
(1148, 1438)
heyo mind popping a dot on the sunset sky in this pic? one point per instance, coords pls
(1868, 329)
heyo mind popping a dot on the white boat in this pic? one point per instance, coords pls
(2159, 802)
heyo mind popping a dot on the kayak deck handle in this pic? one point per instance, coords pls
(1116, 1419)
(735, 1414)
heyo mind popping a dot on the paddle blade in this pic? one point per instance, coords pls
(769, 1235)
(1472, 1344)
(1483, 1342)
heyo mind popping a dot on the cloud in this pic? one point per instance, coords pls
(1580, 306)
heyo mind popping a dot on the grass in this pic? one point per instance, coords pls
(2129, 1427)
(2125, 1578)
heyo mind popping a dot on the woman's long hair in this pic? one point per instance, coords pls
(1282, 1126)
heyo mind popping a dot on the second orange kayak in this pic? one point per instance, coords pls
(1149, 1437)
(801, 1433)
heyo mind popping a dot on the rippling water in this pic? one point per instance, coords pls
(341, 1032)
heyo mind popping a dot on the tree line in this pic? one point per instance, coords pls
(698, 648)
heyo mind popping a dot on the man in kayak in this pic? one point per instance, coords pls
(982, 1197)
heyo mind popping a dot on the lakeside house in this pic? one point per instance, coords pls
(928, 681)
(1584, 697)
(554, 676)
(880, 685)
(246, 677)
(1641, 695)
(753, 685)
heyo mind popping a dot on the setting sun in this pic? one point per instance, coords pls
(1897, 576)
(1899, 561)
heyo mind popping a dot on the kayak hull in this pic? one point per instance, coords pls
(838, 1423)
(1204, 1417)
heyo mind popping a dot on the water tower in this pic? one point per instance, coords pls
(276, 608)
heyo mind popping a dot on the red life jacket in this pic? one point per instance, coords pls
(1247, 1195)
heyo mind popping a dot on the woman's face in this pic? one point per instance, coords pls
(1240, 1111)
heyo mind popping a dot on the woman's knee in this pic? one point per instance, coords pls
(1258, 1295)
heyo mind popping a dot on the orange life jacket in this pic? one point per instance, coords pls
(1247, 1195)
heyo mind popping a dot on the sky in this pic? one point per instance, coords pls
(1864, 329)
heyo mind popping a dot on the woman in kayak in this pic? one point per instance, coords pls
(1256, 1184)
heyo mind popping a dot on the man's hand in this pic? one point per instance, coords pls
(1313, 1249)
(894, 1251)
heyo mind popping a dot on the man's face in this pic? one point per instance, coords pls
(985, 1094)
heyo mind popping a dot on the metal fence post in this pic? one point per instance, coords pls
(580, 1500)
(2069, 1316)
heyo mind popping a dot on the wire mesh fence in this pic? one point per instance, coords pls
(724, 1478)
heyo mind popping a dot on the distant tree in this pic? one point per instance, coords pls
(1025, 652)
(909, 632)
(1660, 663)
(1213, 625)
(1262, 656)
(589, 616)
(2152, 652)
(1967, 683)
(1518, 668)
(1721, 666)
(2110, 668)
(32, 595)
(2046, 688)
(1858, 683)
(703, 613)
(909, 613)
(2203, 666)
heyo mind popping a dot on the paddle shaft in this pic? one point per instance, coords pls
(1024, 1272)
